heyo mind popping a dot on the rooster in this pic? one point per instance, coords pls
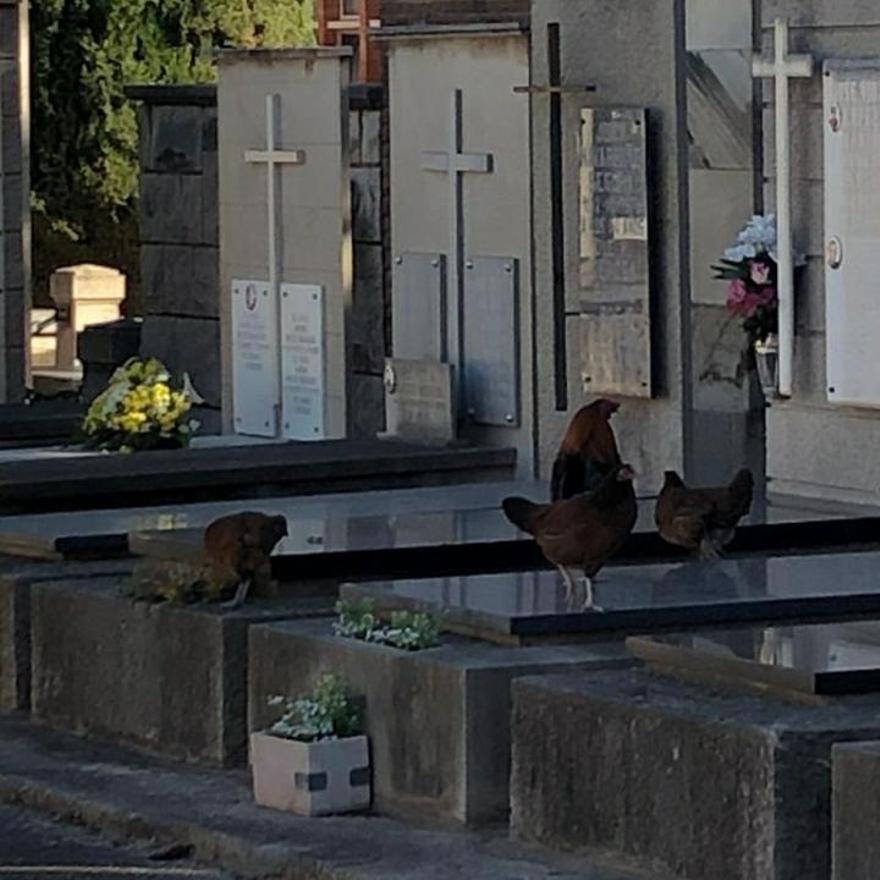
(583, 532)
(588, 452)
(702, 520)
(238, 547)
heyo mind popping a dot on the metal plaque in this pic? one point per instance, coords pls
(255, 391)
(613, 295)
(491, 340)
(852, 230)
(302, 361)
(419, 307)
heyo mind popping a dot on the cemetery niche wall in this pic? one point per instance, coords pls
(285, 242)
(821, 442)
(460, 220)
(613, 314)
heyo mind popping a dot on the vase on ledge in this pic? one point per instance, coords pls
(767, 360)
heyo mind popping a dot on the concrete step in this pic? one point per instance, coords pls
(128, 795)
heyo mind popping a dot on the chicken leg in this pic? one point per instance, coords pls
(569, 584)
(589, 603)
(240, 595)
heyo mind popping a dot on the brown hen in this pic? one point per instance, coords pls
(583, 532)
(238, 549)
(702, 520)
(588, 452)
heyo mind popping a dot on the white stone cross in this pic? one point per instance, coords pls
(454, 163)
(781, 68)
(274, 158)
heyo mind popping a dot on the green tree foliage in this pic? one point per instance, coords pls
(84, 142)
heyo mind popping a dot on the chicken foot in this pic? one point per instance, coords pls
(240, 595)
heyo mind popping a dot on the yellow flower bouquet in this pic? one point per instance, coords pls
(142, 407)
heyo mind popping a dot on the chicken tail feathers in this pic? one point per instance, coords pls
(520, 511)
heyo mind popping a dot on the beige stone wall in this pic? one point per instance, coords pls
(816, 449)
(314, 200)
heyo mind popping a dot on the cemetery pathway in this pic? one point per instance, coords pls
(33, 847)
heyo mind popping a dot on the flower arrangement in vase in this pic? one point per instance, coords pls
(750, 267)
(142, 407)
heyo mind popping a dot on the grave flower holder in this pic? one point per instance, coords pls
(317, 778)
(767, 362)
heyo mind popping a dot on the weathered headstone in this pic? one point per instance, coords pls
(419, 401)
(613, 294)
(84, 295)
(461, 275)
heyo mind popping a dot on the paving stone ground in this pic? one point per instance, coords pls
(130, 796)
(34, 847)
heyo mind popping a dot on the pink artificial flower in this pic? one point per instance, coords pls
(752, 303)
(736, 295)
(760, 273)
(767, 296)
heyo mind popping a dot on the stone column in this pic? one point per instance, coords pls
(14, 188)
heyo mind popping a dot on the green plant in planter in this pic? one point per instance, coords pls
(327, 713)
(409, 631)
(413, 631)
(357, 620)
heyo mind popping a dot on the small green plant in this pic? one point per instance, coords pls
(327, 713)
(408, 630)
(181, 583)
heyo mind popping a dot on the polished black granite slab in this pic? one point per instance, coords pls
(821, 659)
(644, 598)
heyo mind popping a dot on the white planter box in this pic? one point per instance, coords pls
(312, 779)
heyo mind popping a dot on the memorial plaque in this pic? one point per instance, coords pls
(302, 359)
(255, 391)
(820, 659)
(613, 296)
(419, 401)
(491, 340)
(419, 307)
(852, 229)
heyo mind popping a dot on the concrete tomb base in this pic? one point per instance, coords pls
(855, 811)
(438, 719)
(171, 678)
(699, 782)
(16, 581)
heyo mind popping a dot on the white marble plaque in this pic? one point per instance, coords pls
(255, 392)
(852, 230)
(302, 358)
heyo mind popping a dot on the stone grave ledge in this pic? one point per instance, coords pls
(16, 581)
(39, 423)
(438, 719)
(704, 782)
(87, 481)
(170, 678)
(855, 811)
